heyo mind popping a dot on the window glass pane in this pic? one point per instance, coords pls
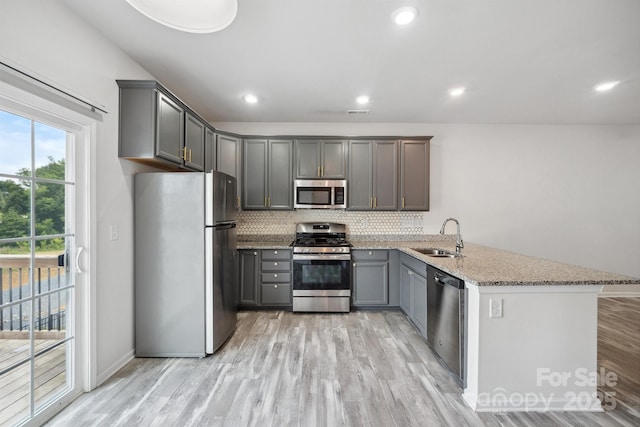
(50, 373)
(50, 145)
(15, 209)
(15, 138)
(48, 275)
(15, 274)
(15, 385)
(49, 214)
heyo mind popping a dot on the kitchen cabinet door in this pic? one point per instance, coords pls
(360, 184)
(385, 175)
(193, 152)
(308, 159)
(169, 125)
(405, 289)
(334, 159)
(373, 175)
(228, 158)
(209, 150)
(317, 158)
(249, 270)
(280, 194)
(414, 175)
(267, 174)
(254, 177)
(370, 278)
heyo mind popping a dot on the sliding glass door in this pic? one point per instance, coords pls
(37, 248)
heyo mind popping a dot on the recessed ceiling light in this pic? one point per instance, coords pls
(404, 15)
(456, 91)
(250, 99)
(603, 87)
(193, 16)
(362, 99)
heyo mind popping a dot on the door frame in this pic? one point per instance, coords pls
(84, 127)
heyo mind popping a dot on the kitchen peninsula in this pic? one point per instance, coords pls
(537, 349)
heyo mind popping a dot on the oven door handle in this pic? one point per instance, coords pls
(327, 257)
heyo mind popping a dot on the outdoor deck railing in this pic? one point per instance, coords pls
(50, 301)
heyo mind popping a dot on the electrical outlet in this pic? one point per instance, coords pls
(114, 234)
(495, 307)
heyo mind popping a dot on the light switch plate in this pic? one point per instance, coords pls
(495, 307)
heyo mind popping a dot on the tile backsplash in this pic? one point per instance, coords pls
(358, 223)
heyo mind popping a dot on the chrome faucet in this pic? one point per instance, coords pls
(459, 242)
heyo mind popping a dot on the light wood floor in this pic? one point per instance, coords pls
(358, 369)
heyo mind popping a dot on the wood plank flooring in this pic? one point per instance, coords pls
(357, 369)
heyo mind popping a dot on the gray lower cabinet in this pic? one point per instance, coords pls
(249, 264)
(156, 128)
(373, 171)
(317, 158)
(414, 175)
(413, 291)
(267, 179)
(370, 277)
(265, 278)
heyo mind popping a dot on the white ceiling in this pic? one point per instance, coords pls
(522, 61)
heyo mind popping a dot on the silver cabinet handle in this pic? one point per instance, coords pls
(275, 275)
(370, 253)
(275, 252)
(275, 286)
(275, 264)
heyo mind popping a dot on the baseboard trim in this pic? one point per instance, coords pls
(529, 402)
(119, 364)
(618, 294)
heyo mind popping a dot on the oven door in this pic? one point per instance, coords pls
(321, 275)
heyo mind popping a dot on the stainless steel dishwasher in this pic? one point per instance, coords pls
(446, 319)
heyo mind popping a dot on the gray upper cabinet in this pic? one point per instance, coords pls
(156, 128)
(169, 124)
(194, 141)
(209, 149)
(373, 171)
(228, 157)
(317, 158)
(414, 175)
(267, 179)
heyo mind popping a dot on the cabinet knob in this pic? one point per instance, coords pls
(275, 264)
(275, 252)
(255, 253)
(370, 253)
(410, 273)
(354, 264)
(275, 286)
(275, 275)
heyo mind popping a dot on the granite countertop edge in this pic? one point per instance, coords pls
(479, 265)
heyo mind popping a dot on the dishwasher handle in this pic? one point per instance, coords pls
(445, 279)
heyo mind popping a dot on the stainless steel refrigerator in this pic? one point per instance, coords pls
(185, 263)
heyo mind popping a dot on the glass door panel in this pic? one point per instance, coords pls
(36, 236)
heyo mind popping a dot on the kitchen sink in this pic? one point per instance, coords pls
(434, 252)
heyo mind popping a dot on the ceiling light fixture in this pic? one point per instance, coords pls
(250, 99)
(456, 91)
(362, 99)
(192, 16)
(404, 15)
(603, 87)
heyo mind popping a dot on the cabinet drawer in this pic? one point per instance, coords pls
(276, 294)
(276, 278)
(276, 254)
(372, 255)
(276, 266)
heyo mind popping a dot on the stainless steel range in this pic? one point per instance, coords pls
(321, 268)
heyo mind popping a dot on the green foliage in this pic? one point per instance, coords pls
(15, 207)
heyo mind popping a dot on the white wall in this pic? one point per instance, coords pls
(44, 38)
(567, 193)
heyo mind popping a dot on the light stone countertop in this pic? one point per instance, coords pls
(480, 265)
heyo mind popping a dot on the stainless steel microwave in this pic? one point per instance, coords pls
(320, 194)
